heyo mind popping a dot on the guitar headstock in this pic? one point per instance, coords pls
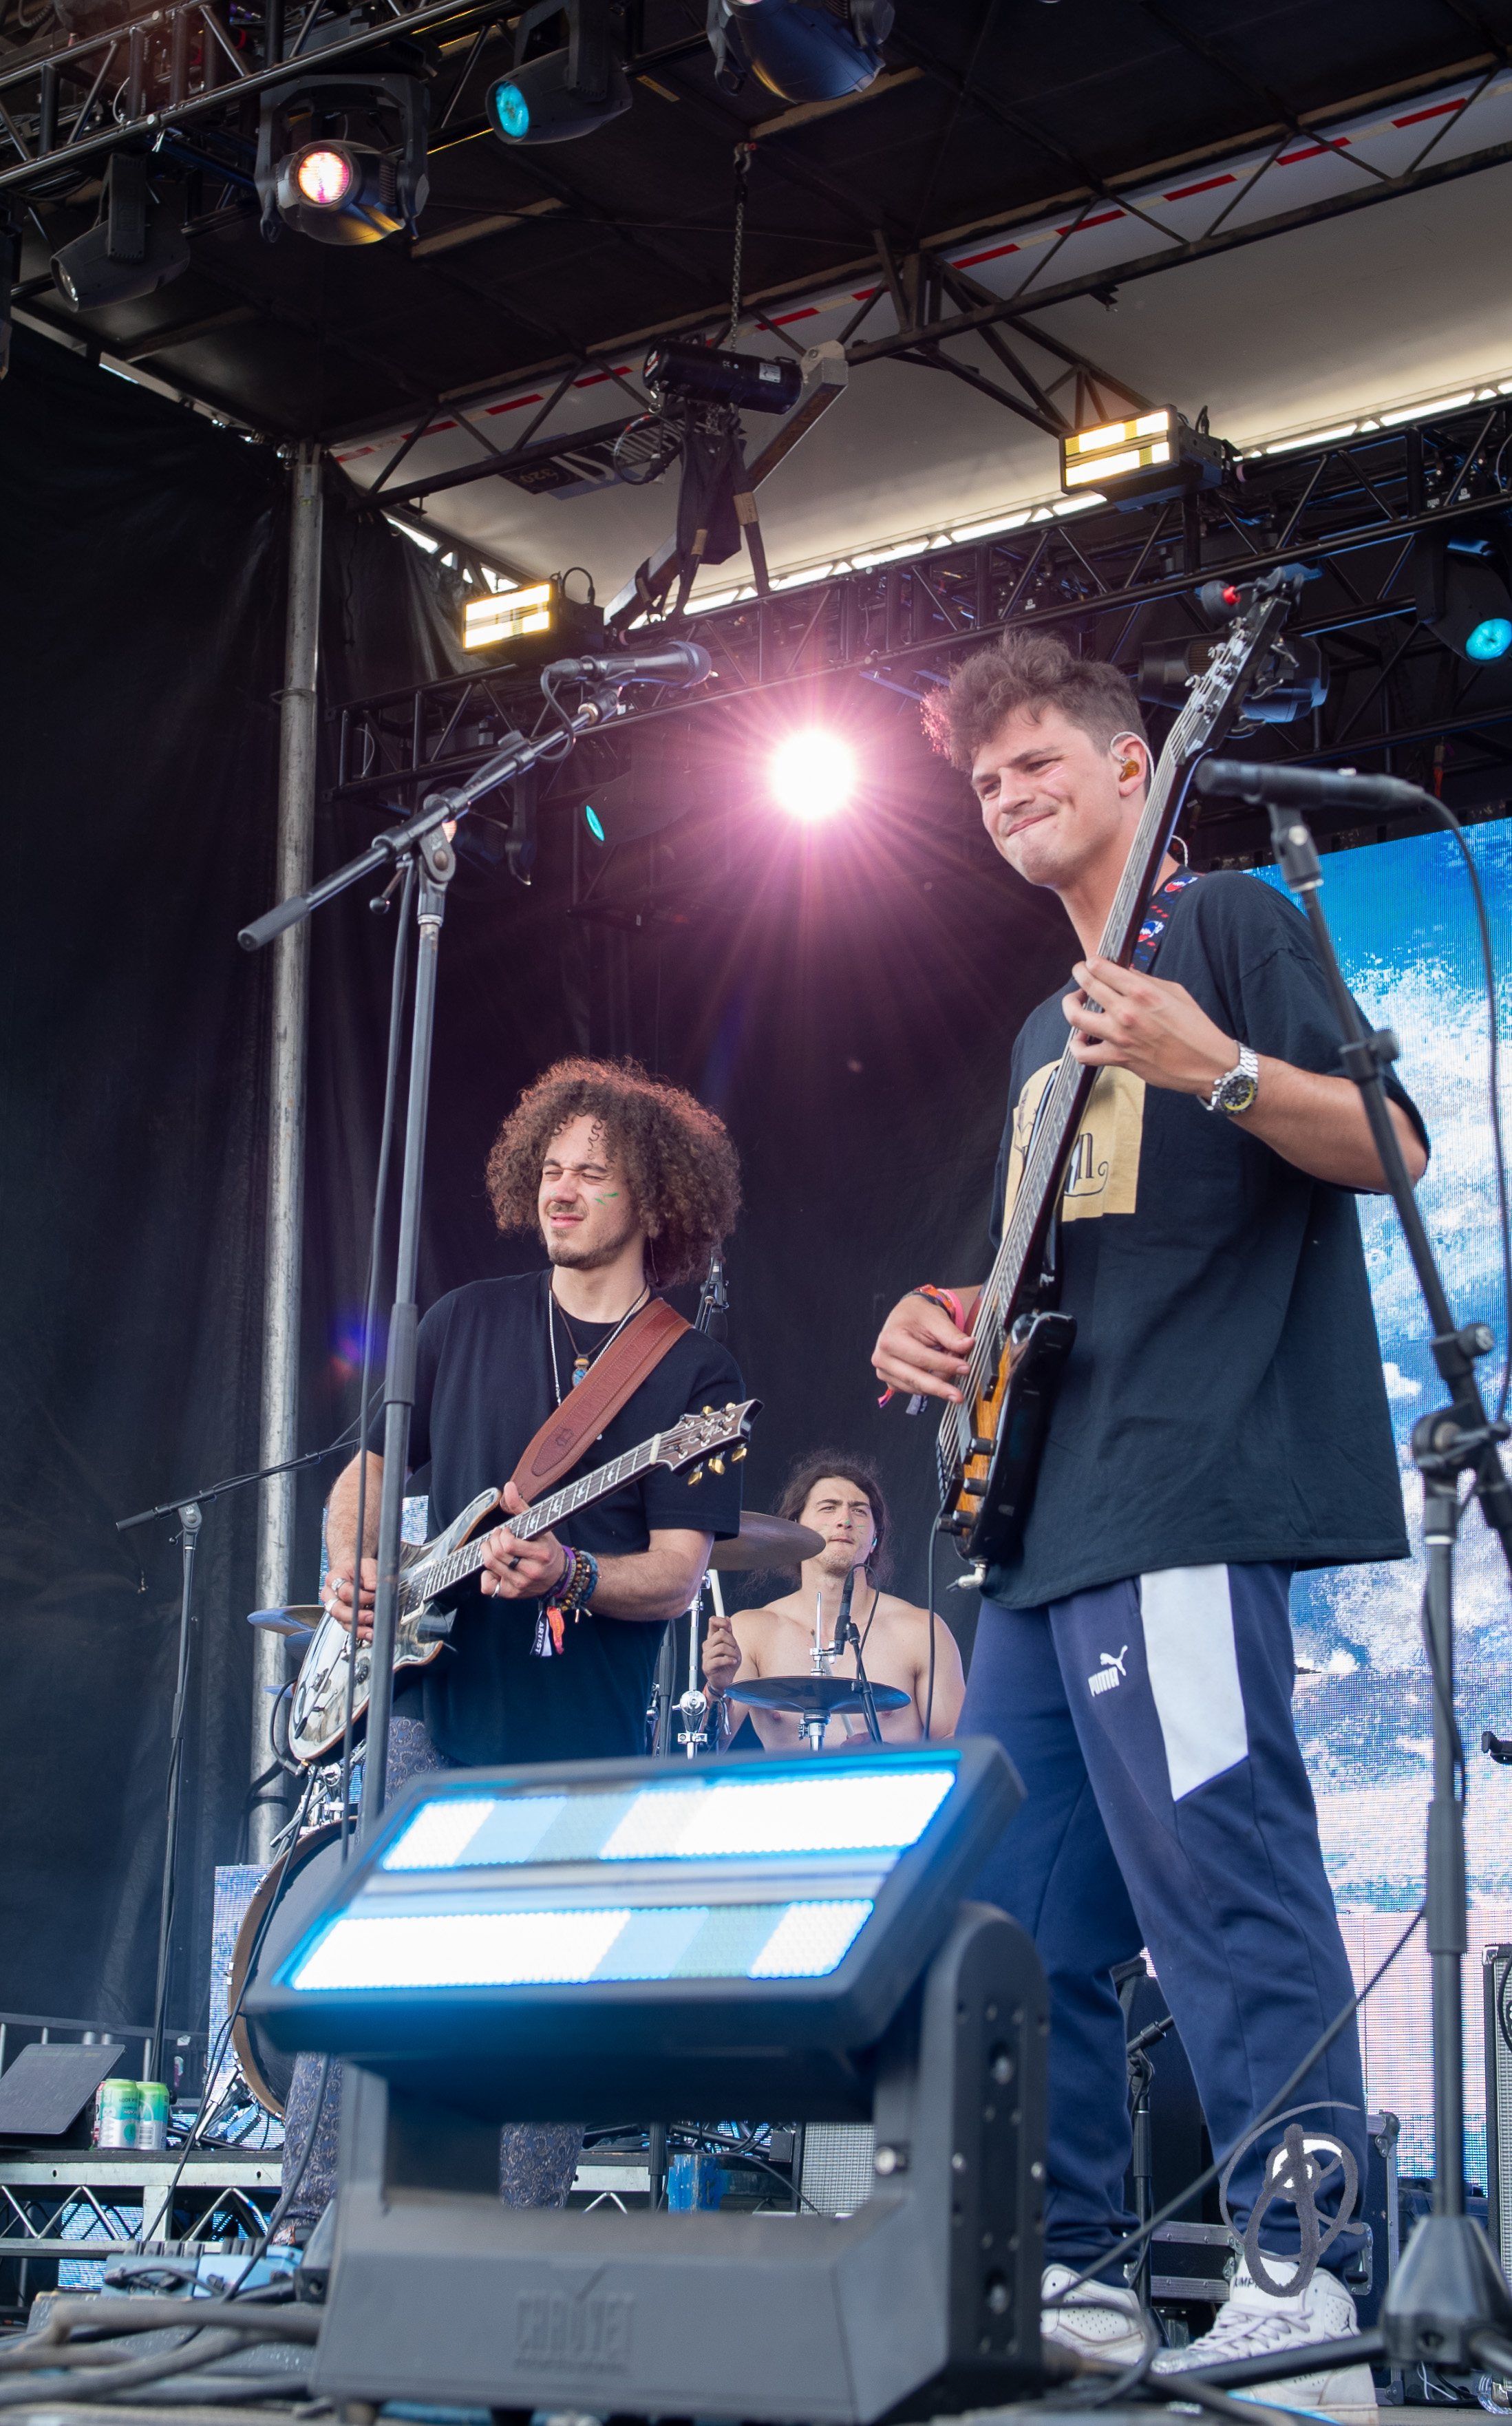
(1258, 610)
(701, 1439)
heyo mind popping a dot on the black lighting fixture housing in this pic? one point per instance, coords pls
(531, 625)
(680, 371)
(136, 244)
(800, 51)
(1462, 593)
(1144, 458)
(315, 176)
(1167, 669)
(566, 79)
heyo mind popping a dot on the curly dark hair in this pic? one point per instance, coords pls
(679, 1165)
(1032, 671)
(847, 1469)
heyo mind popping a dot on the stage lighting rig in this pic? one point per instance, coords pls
(312, 175)
(800, 53)
(1463, 595)
(558, 90)
(532, 625)
(1148, 458)
(136, 245)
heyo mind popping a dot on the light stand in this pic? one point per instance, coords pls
(426, 834)
(1448, 2304)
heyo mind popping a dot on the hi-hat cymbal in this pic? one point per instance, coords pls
(813, 1696)
(765, 1541)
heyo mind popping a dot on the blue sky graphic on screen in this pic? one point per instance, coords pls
(1403, 924)
(833, 1834)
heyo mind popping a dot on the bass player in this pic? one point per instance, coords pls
(630, 1185)
(1222, 1420)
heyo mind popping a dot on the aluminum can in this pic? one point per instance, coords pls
(152, 2118)
(116, 2106)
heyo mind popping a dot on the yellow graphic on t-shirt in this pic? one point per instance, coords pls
(1103, 1175)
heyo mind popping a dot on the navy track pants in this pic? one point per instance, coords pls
(1168, 1806)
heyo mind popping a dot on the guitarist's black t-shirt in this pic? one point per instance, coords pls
(483, 1385)
(1225, 1398)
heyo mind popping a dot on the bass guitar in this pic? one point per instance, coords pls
(431, 1570)
(989, 1447)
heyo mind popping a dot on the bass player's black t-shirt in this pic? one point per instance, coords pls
(484, 1384)
(1225, 1398)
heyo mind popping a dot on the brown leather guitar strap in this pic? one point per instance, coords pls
(609, 1383)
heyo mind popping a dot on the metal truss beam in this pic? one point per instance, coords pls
(1353, 512)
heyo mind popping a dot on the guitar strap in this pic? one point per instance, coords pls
(608, 1385)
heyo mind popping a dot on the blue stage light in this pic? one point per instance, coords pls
(591, 821)
(1491, 638)
(512, 111)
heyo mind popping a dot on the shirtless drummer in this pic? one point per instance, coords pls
(841, 1497)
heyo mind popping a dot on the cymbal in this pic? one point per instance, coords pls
(765, 1541)
(810, 1696)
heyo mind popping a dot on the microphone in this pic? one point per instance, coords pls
(1304, 788)
(675, 661)
(842, 1624)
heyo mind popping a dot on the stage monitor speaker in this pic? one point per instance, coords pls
(47, 2093)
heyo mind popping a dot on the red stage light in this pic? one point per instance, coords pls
(812, 776)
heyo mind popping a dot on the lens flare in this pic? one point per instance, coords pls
(324, 177)
(814, 776)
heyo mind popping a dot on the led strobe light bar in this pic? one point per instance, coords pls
(506, 1922)
(1153, 455)
(506, 617)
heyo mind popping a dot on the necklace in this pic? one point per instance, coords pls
(582, 1358)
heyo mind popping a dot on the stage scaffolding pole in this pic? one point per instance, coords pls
(277, 1440)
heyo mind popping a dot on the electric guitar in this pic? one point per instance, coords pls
(430, 1570)
(989, 1447)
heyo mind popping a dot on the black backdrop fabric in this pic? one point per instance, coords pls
(848, 1009)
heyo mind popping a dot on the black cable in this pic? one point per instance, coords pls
(929, 1691)
(374, 1253)
(1123, 2250)
(1493, 1076)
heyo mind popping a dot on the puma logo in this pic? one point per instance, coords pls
(1110, 1674)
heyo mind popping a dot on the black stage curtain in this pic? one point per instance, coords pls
(848, 1006)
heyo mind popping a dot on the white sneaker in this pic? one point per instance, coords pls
(1254, 2323)
(1112, 2332)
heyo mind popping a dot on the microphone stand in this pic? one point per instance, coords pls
(1449, 2303)
(845, 1633)
(426, 834)
(693, 1708)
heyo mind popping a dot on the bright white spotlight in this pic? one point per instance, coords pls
(813, 775)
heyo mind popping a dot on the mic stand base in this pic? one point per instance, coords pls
(1448, 2292)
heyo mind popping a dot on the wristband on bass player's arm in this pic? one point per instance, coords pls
(948, 1302)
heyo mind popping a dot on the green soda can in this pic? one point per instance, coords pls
(152, 2117)
(116, 2106)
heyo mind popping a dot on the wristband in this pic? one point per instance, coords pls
(950, 1304)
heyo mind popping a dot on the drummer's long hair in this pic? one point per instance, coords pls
(675, 1157)
(845, 1468)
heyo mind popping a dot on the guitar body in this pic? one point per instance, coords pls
(1015, 1417)
(317, 1716)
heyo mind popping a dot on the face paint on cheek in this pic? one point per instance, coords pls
(612, 1198)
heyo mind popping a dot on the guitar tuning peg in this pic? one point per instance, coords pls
(696, 1476)
(716, 1465)
(708, 1410)
(736, 1454)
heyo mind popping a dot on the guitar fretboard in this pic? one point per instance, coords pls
(430, 1577)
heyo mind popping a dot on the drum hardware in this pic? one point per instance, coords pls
(764, 1542)
(266, 2070)
(816, 1700)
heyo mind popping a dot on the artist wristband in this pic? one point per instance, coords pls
(945, 1298)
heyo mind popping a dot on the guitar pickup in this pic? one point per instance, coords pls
(435, 1625)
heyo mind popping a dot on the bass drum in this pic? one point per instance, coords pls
(305, 1877)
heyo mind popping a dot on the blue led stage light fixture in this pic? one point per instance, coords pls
(555, 95)
(761, 1935)
(1462, 592)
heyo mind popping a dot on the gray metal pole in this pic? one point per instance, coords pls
(286, 1097)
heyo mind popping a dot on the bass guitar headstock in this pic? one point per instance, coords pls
(700, 1440)
(1250, 655)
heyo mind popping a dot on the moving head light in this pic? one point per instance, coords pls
(326, 184)
(800, 52)
(563, 92)
(1167, 669)
(136, 245)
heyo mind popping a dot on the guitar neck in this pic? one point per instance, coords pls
(430, 1579)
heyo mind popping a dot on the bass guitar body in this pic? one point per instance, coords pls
(1011, 1420)
(317, 1718)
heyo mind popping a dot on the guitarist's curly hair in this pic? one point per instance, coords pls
(679, 1165)
(1032, 671)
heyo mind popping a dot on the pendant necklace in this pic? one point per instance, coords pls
(582, 1358)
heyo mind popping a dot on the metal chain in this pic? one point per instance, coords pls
(745, 154)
